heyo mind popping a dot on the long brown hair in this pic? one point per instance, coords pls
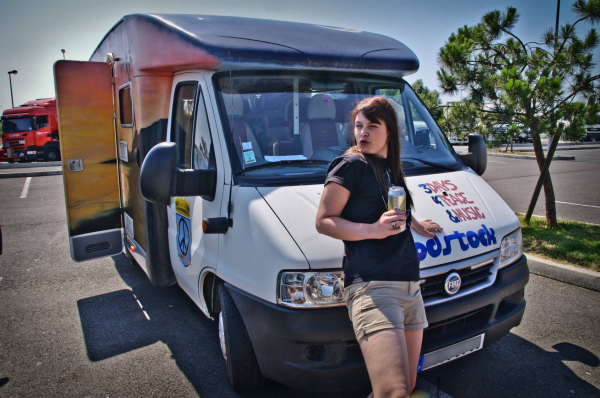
(377, 110)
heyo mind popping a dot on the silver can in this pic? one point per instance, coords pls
(397, 201)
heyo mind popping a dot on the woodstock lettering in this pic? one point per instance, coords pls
(470, 239)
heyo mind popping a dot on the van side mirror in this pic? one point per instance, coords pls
(476, 159)
(161, 179)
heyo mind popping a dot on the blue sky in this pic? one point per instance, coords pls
(34, 31)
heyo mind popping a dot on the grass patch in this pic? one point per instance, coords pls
(571, 242)
(532, 154)
(511, 153)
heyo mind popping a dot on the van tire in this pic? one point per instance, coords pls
(241, 365)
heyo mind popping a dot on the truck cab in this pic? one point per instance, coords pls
(30, 132)
(212, 138)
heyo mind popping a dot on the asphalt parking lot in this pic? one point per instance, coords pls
(101, 329)
(576, 182)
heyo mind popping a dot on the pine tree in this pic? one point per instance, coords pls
(535, 85)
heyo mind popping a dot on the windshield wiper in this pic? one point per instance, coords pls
(432, 164)
(279, 162)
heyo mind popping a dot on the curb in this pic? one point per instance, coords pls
(28, 165)
(31, 174)
(566, 273)
(501, 155)
(568, 148)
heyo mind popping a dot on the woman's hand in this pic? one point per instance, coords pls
(426, 227)
(390, 223)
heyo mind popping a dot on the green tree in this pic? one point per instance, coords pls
(533, 84)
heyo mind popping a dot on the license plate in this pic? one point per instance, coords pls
(450, 353)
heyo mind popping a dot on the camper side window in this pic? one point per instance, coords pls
(182, 127)
(203, 148)
(126, 105)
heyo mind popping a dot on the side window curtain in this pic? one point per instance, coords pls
(182, 129)
(126, 105)
(203, 155)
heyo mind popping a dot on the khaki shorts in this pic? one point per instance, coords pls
(375, 306)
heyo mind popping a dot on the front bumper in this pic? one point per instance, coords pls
(316, 350)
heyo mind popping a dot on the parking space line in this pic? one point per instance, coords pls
(578, 204)
(495, 161)
(26, 188)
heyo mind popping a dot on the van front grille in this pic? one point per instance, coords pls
(434, 285)
(470, 320)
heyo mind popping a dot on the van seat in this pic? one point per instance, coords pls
(320, 131)
(240, 130)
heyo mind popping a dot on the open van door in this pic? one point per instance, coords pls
(84, 97)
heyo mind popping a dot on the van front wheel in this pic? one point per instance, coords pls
(241, 365)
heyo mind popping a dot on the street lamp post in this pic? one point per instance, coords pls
(63, 52)
(12, 72)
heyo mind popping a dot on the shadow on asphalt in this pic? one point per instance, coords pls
(114, 324)
(514, 367)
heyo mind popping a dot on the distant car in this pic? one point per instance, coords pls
(524, 137)
(592, 131)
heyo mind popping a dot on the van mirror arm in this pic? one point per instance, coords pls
(192, 182)
(219, 225)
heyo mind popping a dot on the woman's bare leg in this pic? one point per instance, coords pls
(387, 359)
(414, 340)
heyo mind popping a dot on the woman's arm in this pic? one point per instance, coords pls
(426, 227)
(329, 222)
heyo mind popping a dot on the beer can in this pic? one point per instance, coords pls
(397, 200)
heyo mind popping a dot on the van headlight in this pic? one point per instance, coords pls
(311, 289)
(511, 248)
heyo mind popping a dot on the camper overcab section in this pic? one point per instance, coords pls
(212, 138)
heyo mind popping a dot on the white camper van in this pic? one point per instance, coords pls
(198, 145)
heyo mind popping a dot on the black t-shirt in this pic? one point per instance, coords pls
(390, 259)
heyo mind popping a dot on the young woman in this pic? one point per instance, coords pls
(381, 267)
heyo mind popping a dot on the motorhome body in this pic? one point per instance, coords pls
(227, 126)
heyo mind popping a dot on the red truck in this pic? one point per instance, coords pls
(30, 132)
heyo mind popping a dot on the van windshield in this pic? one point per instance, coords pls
(294, 126)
